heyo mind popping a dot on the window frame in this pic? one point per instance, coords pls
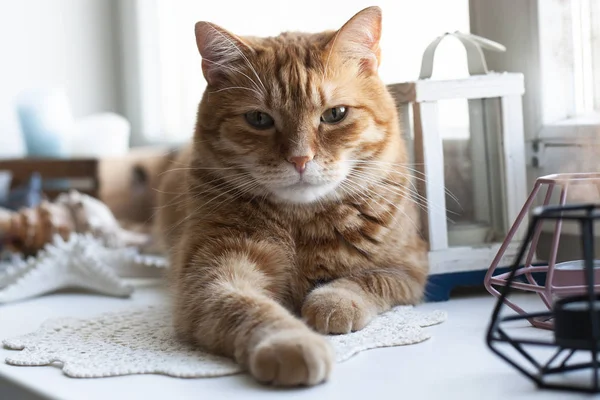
(138, 31)
(527, 52)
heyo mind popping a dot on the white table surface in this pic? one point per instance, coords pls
(453, 364)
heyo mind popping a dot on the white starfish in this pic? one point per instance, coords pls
(81, 262)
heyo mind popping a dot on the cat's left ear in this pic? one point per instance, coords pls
(359, 38)
(220, 50)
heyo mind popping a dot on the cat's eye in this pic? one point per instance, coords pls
(334, 115)
(259, 119)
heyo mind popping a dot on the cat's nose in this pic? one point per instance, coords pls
(300, 162)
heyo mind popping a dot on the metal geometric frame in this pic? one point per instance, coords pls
(497, 336)
(528, 268)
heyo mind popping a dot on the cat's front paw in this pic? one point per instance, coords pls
(292, 357)
(336, 310)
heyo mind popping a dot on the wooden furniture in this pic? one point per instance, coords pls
(126, 184)
(79, 174)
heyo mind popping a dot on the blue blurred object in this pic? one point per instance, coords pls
(5, 180)
(46, 121)
(28, 195)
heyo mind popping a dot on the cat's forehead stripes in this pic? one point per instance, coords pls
(295, 71)
(294, 80)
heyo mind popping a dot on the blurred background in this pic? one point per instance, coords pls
(139, 58)
(108, 89)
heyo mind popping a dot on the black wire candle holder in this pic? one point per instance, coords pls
(567, 357)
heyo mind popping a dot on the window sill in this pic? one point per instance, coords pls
(572, 130)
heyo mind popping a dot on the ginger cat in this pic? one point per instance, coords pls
(291, 213)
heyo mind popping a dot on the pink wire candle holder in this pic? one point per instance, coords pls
(561, 279)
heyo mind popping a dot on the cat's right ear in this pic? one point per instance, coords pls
(219, 50)
(359, 38)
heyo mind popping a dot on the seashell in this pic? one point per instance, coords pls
(29, 229)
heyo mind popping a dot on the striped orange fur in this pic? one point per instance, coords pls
(283, 220)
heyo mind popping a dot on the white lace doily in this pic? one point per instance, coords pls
(143, 342)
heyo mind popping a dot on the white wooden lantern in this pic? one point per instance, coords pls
(497, 151)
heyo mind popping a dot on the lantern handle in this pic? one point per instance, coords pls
(474, 46)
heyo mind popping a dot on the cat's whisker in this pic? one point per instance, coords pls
(382, 182)
(357, 197)
(233, 182)
(424, 180)
(415, 173)
(234, 70)
(190, 169)
(193, 141)
(189, 166)
(175, 162)
(205, 168)
(238, 87)
(170, 204)
(372, 192)
(406, 193)
(241, 53)
(414, 192)
(230, 180)
(369, 192)
(368, 203)
(389, 202)
(190, 190)
(376, 182)
(384, 162)
(255, 194)
(242, 190)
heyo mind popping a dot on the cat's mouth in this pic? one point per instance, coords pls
(301, 185)
(303, 192)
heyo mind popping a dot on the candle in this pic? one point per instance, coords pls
(574, 322)
(583, 305)
(572, 273)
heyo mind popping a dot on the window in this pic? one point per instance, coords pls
(569, 59)
(556, 44)
(166, 63)
(569, 37)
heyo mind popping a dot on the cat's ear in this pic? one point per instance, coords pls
(359, 38)
(219, 49)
